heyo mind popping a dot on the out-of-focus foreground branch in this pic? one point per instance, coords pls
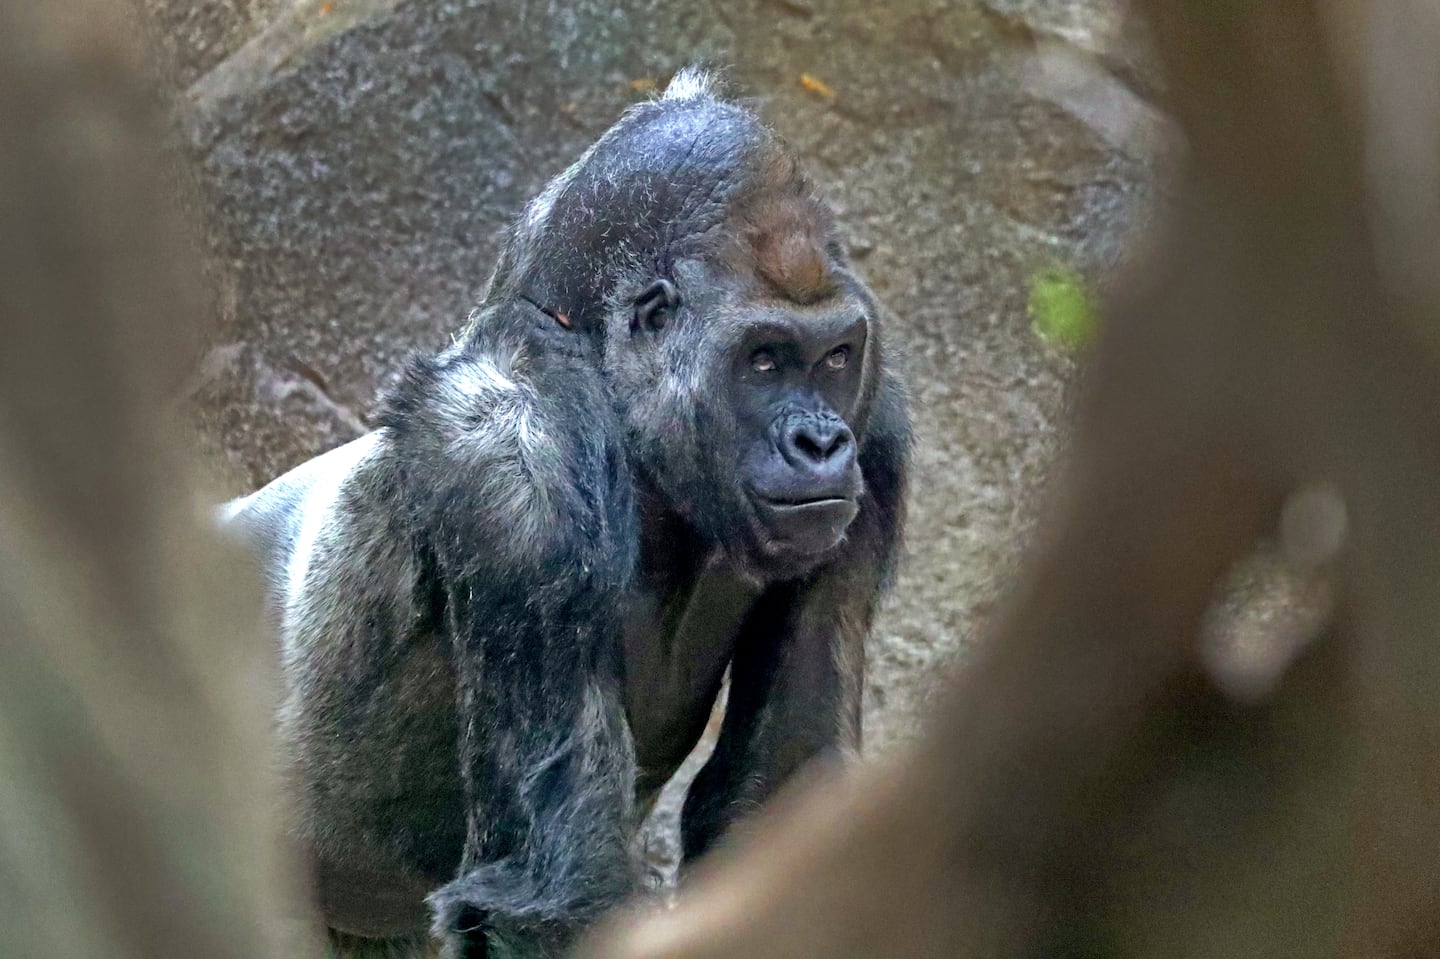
(135, 794)
(1085, 787)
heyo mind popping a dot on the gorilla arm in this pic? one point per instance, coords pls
(522, 492)
(449, 592)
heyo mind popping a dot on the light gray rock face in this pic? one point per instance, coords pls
(359, 159)
(197, 35)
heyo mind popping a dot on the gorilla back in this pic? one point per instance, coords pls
(666, 444)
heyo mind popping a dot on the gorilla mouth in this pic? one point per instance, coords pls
(811, 525)
(784, 504)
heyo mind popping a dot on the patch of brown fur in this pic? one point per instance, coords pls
(784, 230)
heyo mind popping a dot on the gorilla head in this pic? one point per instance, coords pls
(740, 348)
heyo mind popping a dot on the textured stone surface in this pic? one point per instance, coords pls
(359, 160)
(197, 35)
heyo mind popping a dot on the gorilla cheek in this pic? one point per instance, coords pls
(679, 434)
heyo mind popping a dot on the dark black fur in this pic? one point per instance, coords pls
(667, 443)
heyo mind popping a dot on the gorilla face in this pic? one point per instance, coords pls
(792, 384)
(744, 403)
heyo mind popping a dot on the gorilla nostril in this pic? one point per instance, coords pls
(809, 446)
(819, 444)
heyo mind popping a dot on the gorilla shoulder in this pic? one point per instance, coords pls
(283, 520)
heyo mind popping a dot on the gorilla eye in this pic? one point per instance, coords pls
(838, 358)
(762, 362)
(654, 306)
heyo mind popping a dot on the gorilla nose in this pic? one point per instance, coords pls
(818, 446)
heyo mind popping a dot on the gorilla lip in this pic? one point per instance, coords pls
(786, 504)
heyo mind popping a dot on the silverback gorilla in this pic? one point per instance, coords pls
(666, 444)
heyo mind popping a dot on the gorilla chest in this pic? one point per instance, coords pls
(680, 632)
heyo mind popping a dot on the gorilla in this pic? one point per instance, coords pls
(665, 446)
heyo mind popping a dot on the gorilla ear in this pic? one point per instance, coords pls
(654, 306)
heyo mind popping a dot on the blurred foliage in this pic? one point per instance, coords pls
(1062, 310)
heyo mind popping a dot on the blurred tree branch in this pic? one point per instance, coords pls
(137, 805)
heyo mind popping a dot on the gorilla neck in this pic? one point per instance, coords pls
(688, 604)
